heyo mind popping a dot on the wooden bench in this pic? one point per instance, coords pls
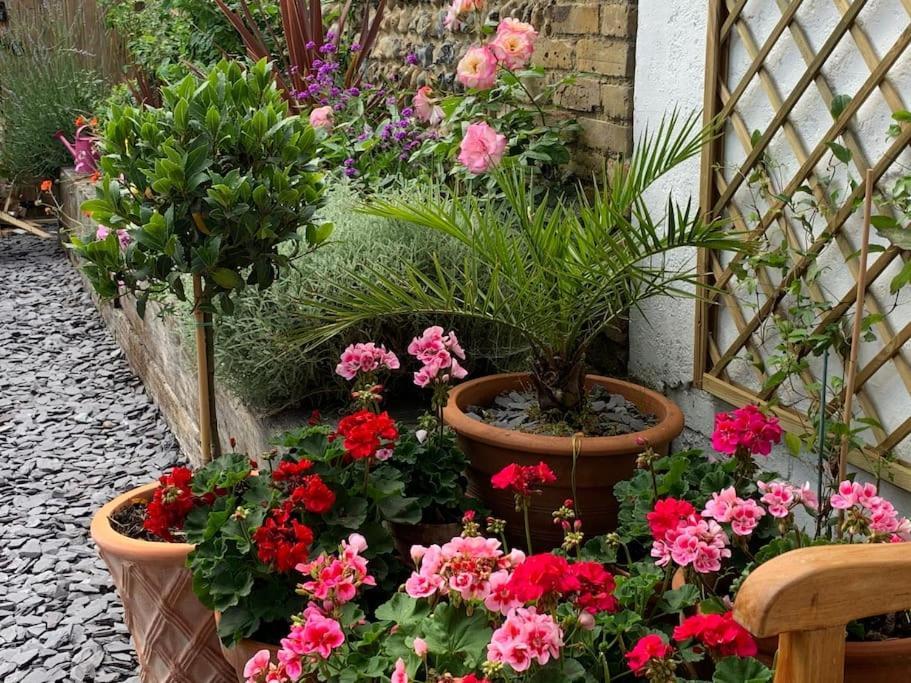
(808, 596)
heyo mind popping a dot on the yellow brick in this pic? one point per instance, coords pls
(618, 21)
(583, 95)
(553, 54)
(610, 58)
(606, 136)
(617, 100)
(574, 19)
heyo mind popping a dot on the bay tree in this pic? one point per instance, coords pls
(206, 188)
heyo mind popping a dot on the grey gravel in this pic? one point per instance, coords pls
(76, 428)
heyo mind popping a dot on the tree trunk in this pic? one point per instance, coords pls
(209, 444)
(560, 385)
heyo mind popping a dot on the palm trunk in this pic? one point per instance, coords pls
(560, 384)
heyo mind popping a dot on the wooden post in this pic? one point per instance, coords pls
(811, 656)
(851, 375)
(208, 423)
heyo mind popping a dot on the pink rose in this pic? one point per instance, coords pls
(459, 9)
(424, 107)
(322, 117)
(482, 148)
(514, 43)
(478, 68)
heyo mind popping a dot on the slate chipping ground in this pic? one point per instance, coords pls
(76, 427)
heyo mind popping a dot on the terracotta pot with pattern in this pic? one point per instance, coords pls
(600, 462)
(240, 653)
(173, 632)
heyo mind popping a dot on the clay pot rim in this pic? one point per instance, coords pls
(670, 421)
(134, 549)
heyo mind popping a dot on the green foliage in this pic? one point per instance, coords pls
(440, 489)
(161, 34)
(561, 272)
(44, 86)
(687, 475)
(210, 184)
(262, 362)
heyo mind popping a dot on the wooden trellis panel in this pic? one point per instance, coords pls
(729, 333)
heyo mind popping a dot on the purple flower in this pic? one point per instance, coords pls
(408, 112)
(310, 45)
(355, 47)
(354, 92)
(327, 49)
(411, 58)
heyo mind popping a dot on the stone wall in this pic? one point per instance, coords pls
(595, 40)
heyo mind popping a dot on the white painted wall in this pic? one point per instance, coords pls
(670, 62)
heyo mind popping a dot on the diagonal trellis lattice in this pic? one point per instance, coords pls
(742, 70)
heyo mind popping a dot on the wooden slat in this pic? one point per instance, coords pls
(832, 133)
(803, 264)
(28, 226)
(710, 157)
(796, 93)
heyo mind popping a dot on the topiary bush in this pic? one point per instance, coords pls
(257, 354)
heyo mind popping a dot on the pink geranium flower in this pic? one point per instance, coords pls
(365, 358)
(399, 675)
(524, 638)
(257, 664)
(747, 429)
(478, 68)
(482, 148)
(439, 354)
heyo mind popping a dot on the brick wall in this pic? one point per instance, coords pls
(595, 40)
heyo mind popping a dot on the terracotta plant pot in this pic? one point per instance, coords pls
(173, 632)
(238, 655)
(407, 535)
(602, 462)
(884, 661)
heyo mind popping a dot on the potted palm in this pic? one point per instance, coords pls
(206, 187)
(562, 270)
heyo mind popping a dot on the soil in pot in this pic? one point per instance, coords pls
(600, 461)
(173, 632)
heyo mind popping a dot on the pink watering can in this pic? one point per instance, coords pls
(85, 154)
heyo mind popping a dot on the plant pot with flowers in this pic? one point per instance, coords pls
(440, 489)
(709, 524)
(207, 186)
(563, 270)
(475, 611)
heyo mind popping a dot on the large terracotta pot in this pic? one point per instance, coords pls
(173, 632)
(602, 461)
(886, 661)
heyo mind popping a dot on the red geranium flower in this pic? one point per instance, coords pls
(645, 651)
(282, 541)
(171, 503)
(596, 588)
(523, 480)
(542, 577)
(314, 495)
(723, 636)
(291, 471)
(667, 515)
(366, 432)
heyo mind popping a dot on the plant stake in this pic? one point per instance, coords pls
(851, 379)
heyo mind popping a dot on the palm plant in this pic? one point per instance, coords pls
(559, 270)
